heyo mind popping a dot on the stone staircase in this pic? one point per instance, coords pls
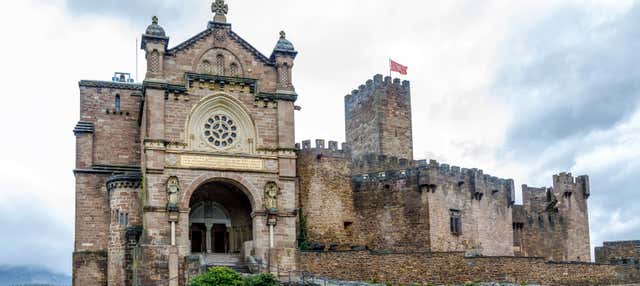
(233, 261)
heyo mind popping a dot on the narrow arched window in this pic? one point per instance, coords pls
(126, 219)
(284, 75)
(205, 67)
(117, 103)
(233, 69)
(219, 65)
(121, 218)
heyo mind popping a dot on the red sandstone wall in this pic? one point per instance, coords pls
(116, 136)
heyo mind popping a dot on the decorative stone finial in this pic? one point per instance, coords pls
(154, 29)
(220, 9)
(283, 35)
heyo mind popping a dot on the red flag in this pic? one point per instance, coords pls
(396, 67)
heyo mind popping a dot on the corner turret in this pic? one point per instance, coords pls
(154, 43)
(283, 55)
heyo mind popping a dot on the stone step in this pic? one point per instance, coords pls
(217, 258)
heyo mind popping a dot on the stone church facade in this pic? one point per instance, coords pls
(198, 164)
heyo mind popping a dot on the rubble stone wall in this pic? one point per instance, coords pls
(455, 268)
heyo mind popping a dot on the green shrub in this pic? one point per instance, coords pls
(265, 279)
(217, 276)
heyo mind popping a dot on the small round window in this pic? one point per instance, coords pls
(221, 131)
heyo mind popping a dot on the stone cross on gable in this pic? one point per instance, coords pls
(220, 9)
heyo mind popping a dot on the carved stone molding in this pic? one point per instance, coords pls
(124, 181)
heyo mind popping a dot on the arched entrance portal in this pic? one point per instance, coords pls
(220, 219)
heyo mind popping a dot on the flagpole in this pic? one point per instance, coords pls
(390, 67)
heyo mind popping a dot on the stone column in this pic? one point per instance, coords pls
(208, 236)
(232, 238)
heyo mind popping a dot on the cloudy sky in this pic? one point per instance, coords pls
(520, 89)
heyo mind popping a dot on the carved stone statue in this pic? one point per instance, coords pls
(173, 193)
(271, 196)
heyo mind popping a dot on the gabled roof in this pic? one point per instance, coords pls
(212, 26)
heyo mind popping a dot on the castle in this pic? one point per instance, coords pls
(198, 165)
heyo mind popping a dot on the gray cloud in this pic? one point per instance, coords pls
(572, 81)
(570, 75)
(35, 234)
(136, 11)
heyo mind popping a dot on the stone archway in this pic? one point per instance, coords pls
(220, 218)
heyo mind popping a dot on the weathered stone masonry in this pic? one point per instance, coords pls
(455, 268)
(619, 252)
(199, 162)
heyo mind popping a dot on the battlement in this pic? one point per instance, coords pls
(331, 149)
(378, 82)
(635, 243)
(535, 198)
(566, 183)
(373, 163)
(378, 118)
(429, 176)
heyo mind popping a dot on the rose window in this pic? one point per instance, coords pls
(220, 131)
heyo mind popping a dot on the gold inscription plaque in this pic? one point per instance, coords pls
(218, 162)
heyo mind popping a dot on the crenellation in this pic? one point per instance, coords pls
(406, 85)
(333, 145)
(306, 144)
(321, 149)
(201, 102)
(552, 222)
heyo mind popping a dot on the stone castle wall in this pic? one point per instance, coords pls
(455, 268)
(428, 196)
(393, 212)
(619, 252)
(483, 202)
(378, 118)
(553, 222)
(325, 194)
(403, 205)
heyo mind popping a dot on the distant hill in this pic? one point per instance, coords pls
(11, 275)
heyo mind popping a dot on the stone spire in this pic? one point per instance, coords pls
(220, 9)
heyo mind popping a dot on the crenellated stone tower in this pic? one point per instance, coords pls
(554, 222)
(378, 118)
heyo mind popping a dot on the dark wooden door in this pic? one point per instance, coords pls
(196, 241)
(219, 238)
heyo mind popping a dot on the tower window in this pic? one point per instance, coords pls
(126, 219)
(117, 103)
(121, 218)
(455, 222)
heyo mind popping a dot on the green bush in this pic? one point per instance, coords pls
(218, 276)
(265, 279)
